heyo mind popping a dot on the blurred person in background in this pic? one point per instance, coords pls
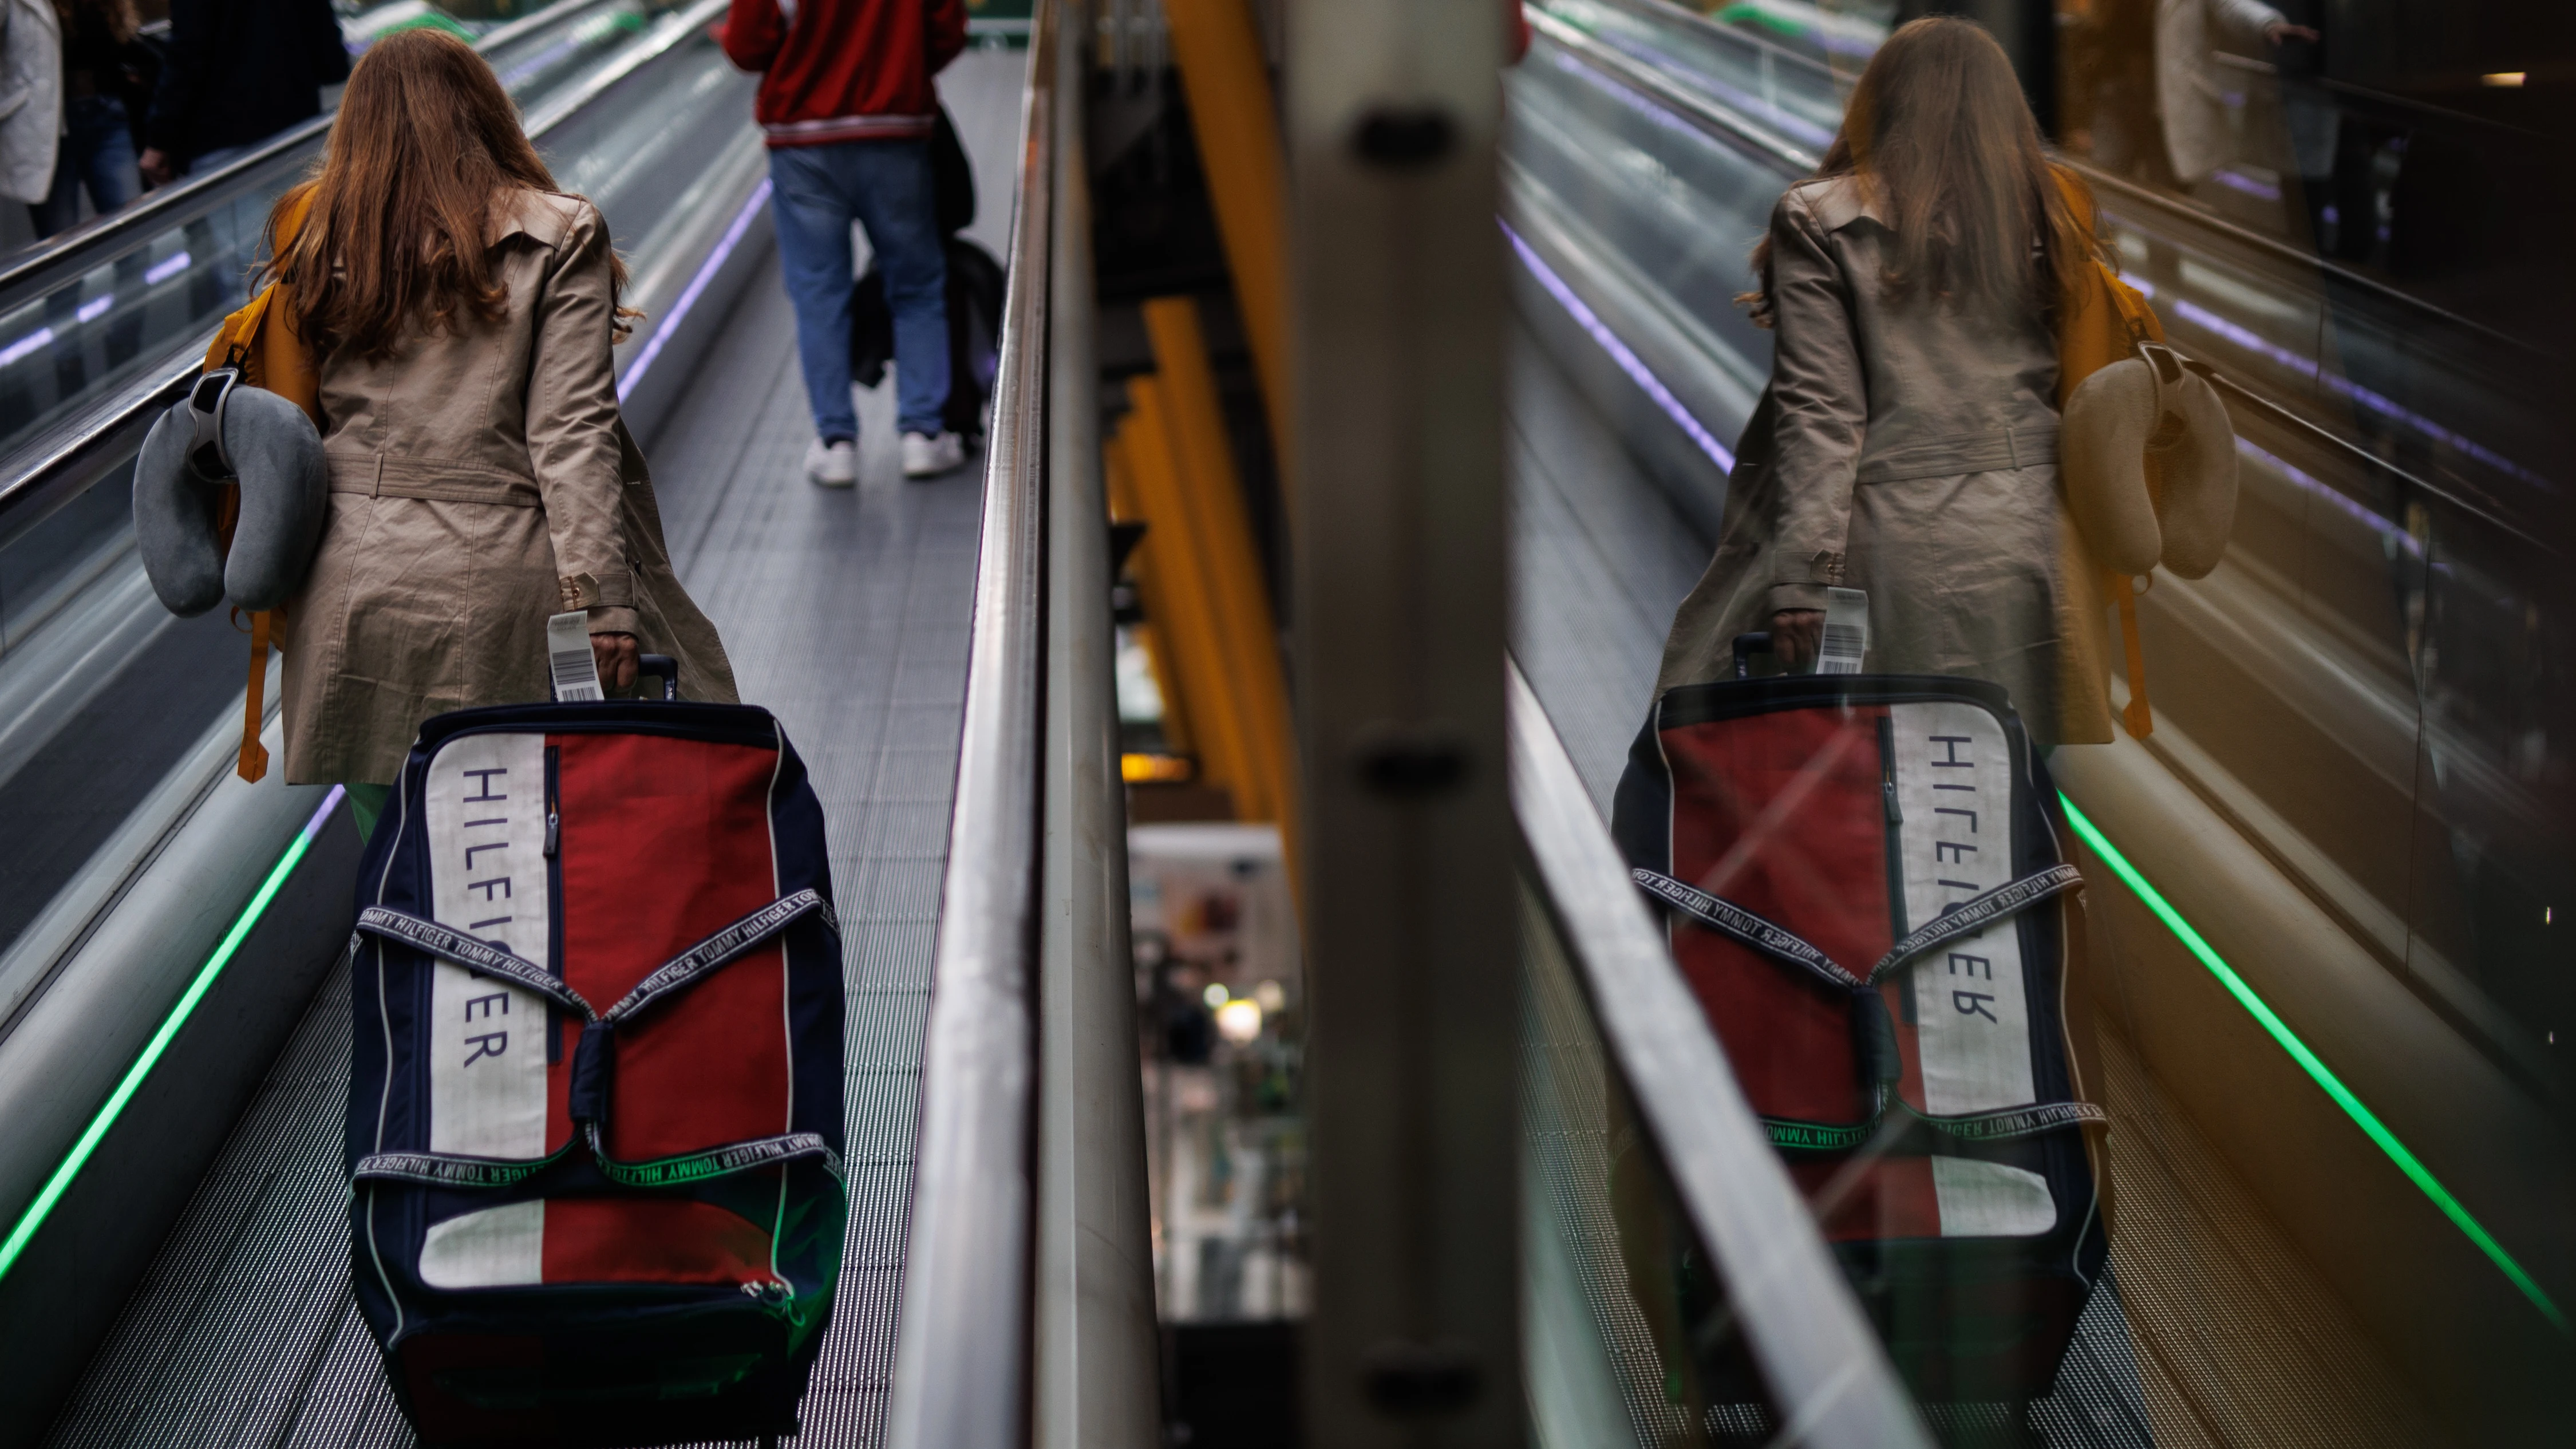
(31, 98)
(101, 68)
(239, 72)
(847, 107)
(2157, 112)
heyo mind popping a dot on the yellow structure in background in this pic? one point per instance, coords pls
(1227, 80)
(1216, 643)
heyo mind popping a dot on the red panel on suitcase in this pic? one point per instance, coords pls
(665, 842)
(1774, 812)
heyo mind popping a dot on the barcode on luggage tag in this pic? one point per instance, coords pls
(1846, 637)
(576, 670)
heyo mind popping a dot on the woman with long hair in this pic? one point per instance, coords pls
(460, 309)
(1907, 444)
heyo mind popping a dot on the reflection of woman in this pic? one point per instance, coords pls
(97, 148)
(460, 309)
(1907, 444)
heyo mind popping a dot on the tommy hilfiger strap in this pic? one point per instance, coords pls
(725, 945)
(1782, 944)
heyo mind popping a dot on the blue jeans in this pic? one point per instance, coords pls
(817, 191)
(97, 151)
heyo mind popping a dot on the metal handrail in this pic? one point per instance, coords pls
(961, 1371)
(1829, 1377)
(1093, 1346)
(86, 447)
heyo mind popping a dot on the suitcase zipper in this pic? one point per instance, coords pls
(554, 901)
(1895, 836)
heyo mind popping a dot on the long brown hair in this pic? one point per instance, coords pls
(426, 144)
(1939, 136)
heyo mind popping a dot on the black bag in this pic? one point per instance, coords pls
(952, 180)
(975, 285)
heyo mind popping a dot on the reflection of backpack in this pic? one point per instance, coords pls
(975, 284)
(1867, 898)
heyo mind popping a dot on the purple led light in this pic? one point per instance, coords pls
(95, 307)
(15, 351)
(322, 816)
(1618, 350)
(2235, 180)
(697, 285)
(166, 268)
(2317, 488)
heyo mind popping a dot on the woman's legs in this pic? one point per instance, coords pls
(97, 152)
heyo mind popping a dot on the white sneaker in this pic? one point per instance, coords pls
(835, 464)
(925, 456)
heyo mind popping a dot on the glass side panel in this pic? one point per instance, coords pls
(2322, 894)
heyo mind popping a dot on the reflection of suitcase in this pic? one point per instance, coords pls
(1864, 893)
(595, 1114)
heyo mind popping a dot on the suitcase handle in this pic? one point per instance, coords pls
(667, 669)
(1746, 646)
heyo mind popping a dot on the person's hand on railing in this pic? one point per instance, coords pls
(154, 163)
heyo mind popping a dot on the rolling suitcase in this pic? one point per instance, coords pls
(595, 1118)
(1864, 891)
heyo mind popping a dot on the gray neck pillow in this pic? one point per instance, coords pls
(2147, 404)
(223, 431)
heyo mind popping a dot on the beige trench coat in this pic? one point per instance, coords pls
(1903, 449)
(480, 482)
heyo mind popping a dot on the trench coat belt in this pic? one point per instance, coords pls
(1980, 452)
(383, 475)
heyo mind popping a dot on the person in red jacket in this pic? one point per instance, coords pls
(847, 104)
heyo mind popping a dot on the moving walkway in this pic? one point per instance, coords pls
(172, 1035)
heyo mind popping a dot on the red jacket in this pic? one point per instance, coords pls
(844, 70)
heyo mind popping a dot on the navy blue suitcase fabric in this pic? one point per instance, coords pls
(595, 1120)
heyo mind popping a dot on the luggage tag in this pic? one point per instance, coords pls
(1846, 632)
(576, 669)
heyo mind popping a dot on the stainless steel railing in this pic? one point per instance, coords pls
(961, 1373)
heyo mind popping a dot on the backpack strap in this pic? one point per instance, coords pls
(1738, 924)
(1978, 912)
(480, 957)
(715, 951)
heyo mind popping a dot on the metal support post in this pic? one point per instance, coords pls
(1392, 119)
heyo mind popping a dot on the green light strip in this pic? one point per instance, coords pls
(2316, 1069)
(34, 1217)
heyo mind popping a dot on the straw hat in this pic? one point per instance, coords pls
(2150, 404)
(223, 431)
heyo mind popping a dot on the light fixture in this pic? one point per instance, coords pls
(1215, 995)
(1239, 1020)
(2504, 78)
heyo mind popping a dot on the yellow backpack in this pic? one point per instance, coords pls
(2102, 320)
(261, 341)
